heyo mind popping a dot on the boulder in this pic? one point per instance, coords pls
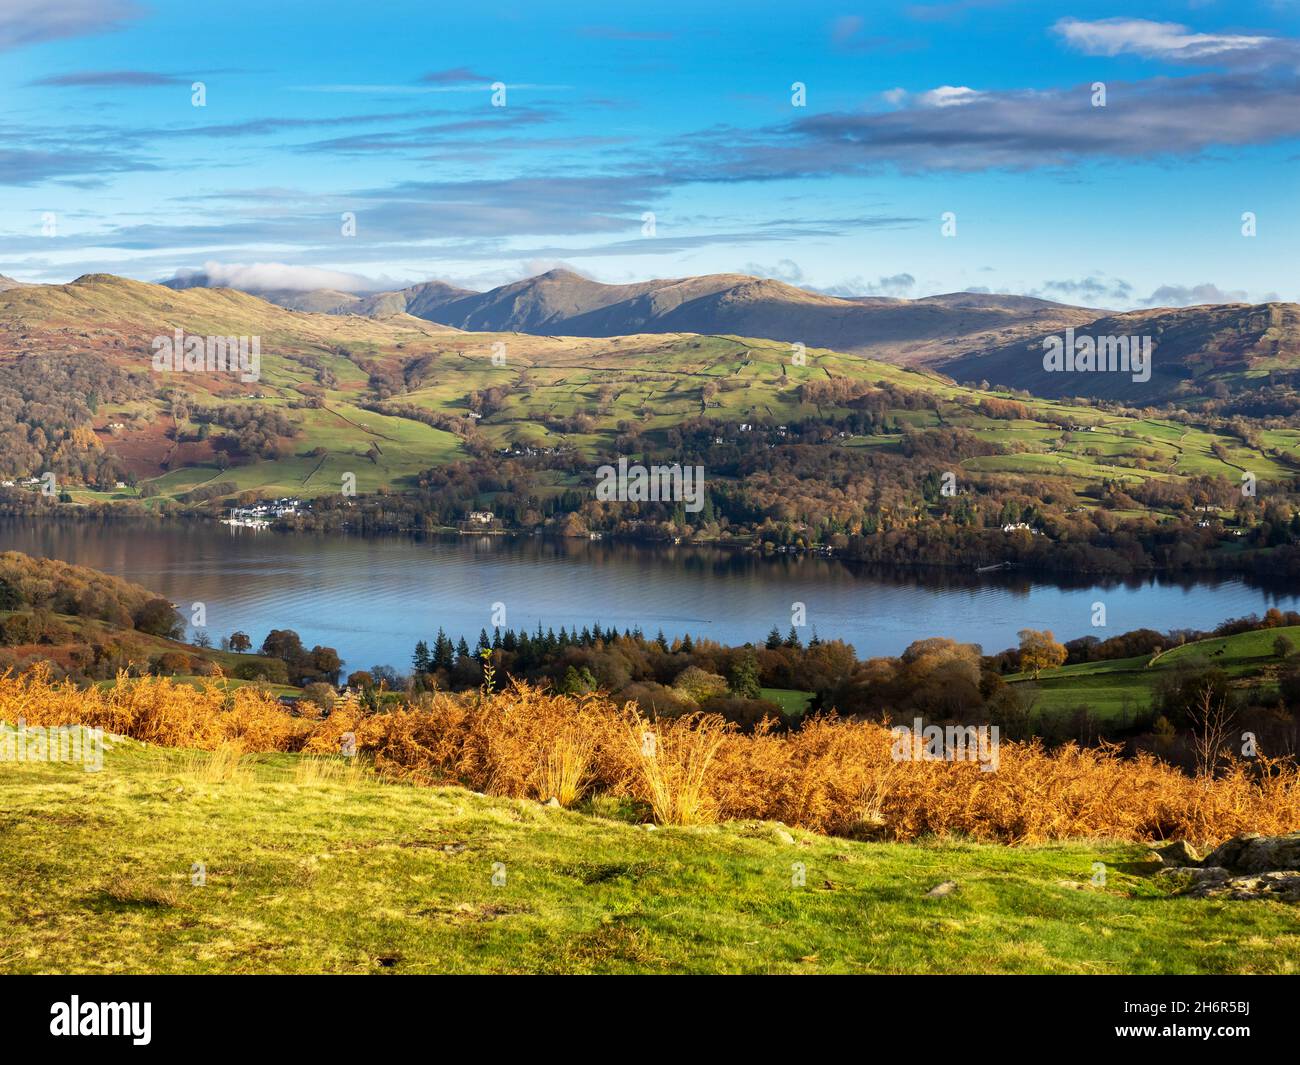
(1193, 877)
(1179, 854)
(1249, 866)
(1283, 885)
(1253, 853)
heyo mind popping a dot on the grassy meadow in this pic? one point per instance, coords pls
(311, 866)
(1113, 688)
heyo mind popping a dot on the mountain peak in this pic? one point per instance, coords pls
(558, 275)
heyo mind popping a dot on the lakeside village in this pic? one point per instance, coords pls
(264, 513)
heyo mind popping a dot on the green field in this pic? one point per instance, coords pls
(1112, 688)
(656, 383)
(792, 703)
(318, 371)
(301, 874)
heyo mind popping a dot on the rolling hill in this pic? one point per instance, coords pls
(1126, 686)
(1236, 344)
(561, 302)
(388, 398)
(969, 336)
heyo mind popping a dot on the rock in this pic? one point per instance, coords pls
(1192, 877)
(782, 836)
(651, 828)
(1179, 854)
(554, 801)
(1227, 854)
(1249, 866)
(1253, 853)
(946, 888)
(1282, 885)
(1150, 861)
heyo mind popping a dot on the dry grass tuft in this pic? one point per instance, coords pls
(673, 760)
(223, 764)
(314, 770)
(565, 772)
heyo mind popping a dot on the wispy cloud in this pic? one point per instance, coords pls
(894, 286)
(1019, 130)
(1156, 40)
(27, 22)
(86, 167)
(614, 33)
(268, 277)
(456, 76)
(420, 90)
(99, 79)
(1092, 290)
(1191, 295)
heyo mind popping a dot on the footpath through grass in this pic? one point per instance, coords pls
(309, 867)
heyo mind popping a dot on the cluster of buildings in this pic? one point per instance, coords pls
(480, 521)
(260, 515)
(521, 450)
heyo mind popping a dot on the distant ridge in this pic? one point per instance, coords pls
(563, 303)
(1188, 344)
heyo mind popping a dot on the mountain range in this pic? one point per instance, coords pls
(563, 303)
(966, 336)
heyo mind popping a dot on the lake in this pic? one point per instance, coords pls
(371, 598)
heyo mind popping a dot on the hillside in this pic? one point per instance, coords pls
(1127, 686)
(92, 625)
(561, 302)
(1234, 346)
(306, 867)
(387, 399)
(94, 338)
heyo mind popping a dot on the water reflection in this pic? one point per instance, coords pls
(372, 598)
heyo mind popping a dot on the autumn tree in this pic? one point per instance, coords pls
(1040, 651)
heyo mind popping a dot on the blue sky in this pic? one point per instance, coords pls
(981, 108)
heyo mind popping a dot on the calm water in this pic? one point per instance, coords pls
(372, 598)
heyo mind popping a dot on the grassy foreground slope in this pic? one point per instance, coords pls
(309, 870)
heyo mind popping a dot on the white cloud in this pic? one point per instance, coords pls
(1155, 40)
(261, 277)
(898, 286)
(1192, 295)
(949, 96)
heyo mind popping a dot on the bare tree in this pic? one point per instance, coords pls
(1211, 721)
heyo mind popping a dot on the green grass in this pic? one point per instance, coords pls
(337, 877)
(1113, 687)
(792, 703)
